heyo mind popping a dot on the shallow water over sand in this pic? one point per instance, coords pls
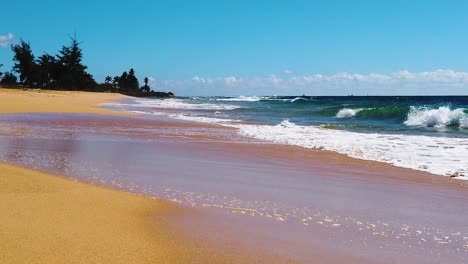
(297, 202)
(425, 133)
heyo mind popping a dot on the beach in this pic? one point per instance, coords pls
(29, 101)
(50, 219)
(53, 219)
(234, 132)
(202, 192)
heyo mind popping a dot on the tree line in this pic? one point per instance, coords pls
(65, 71)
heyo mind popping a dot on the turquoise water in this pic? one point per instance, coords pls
(437, 115)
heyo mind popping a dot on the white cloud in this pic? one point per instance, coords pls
(446, 82)
(287, 71)
(5, 40)
(151, 81)
(230, 81)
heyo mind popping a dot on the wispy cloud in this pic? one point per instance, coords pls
(151, 80)
(397, 83)
(6, 40)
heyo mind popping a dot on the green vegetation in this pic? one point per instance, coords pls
(66, 71)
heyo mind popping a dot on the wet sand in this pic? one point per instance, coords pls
(49, 219)
(308, 205)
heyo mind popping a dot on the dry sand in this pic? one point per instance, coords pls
(26, 101)
(50, 219)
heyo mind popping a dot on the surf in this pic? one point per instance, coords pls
(436, 117)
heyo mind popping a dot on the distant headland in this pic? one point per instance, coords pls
(65, 71)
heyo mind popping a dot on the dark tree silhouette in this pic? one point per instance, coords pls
(123, 82)
(9, 79)
(71, 72)
(145, 88)
(47, 71)
(24, 65)
(132, 81)
(66, 71)
(127, 82)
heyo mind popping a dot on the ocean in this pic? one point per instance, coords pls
(426, 133)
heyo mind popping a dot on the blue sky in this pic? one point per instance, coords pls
(258, 47)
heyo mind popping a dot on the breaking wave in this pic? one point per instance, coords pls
(437, 155)
(347, 112)
(181, 104)
(438, 117)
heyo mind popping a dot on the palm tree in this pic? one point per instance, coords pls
(146, 87)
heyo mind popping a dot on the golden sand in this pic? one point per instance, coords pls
(49, 219)
(24, 101)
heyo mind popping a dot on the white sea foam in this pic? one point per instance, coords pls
(259, 98)
(180, 104)
(439, 117)
(241, 99)
(464, 122)
(437, 155)
(347, 112)
(276, 99)
(193, 118)
(204, 119)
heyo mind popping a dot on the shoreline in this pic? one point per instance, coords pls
(26, 194)
(54, 219)
(304, 167)
(418, 150)
(57, 218)
(325, 155)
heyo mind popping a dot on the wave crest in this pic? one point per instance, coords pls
(347, 112)
(299, 99)
(241, 99)
(418, 152)
(438, 117)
